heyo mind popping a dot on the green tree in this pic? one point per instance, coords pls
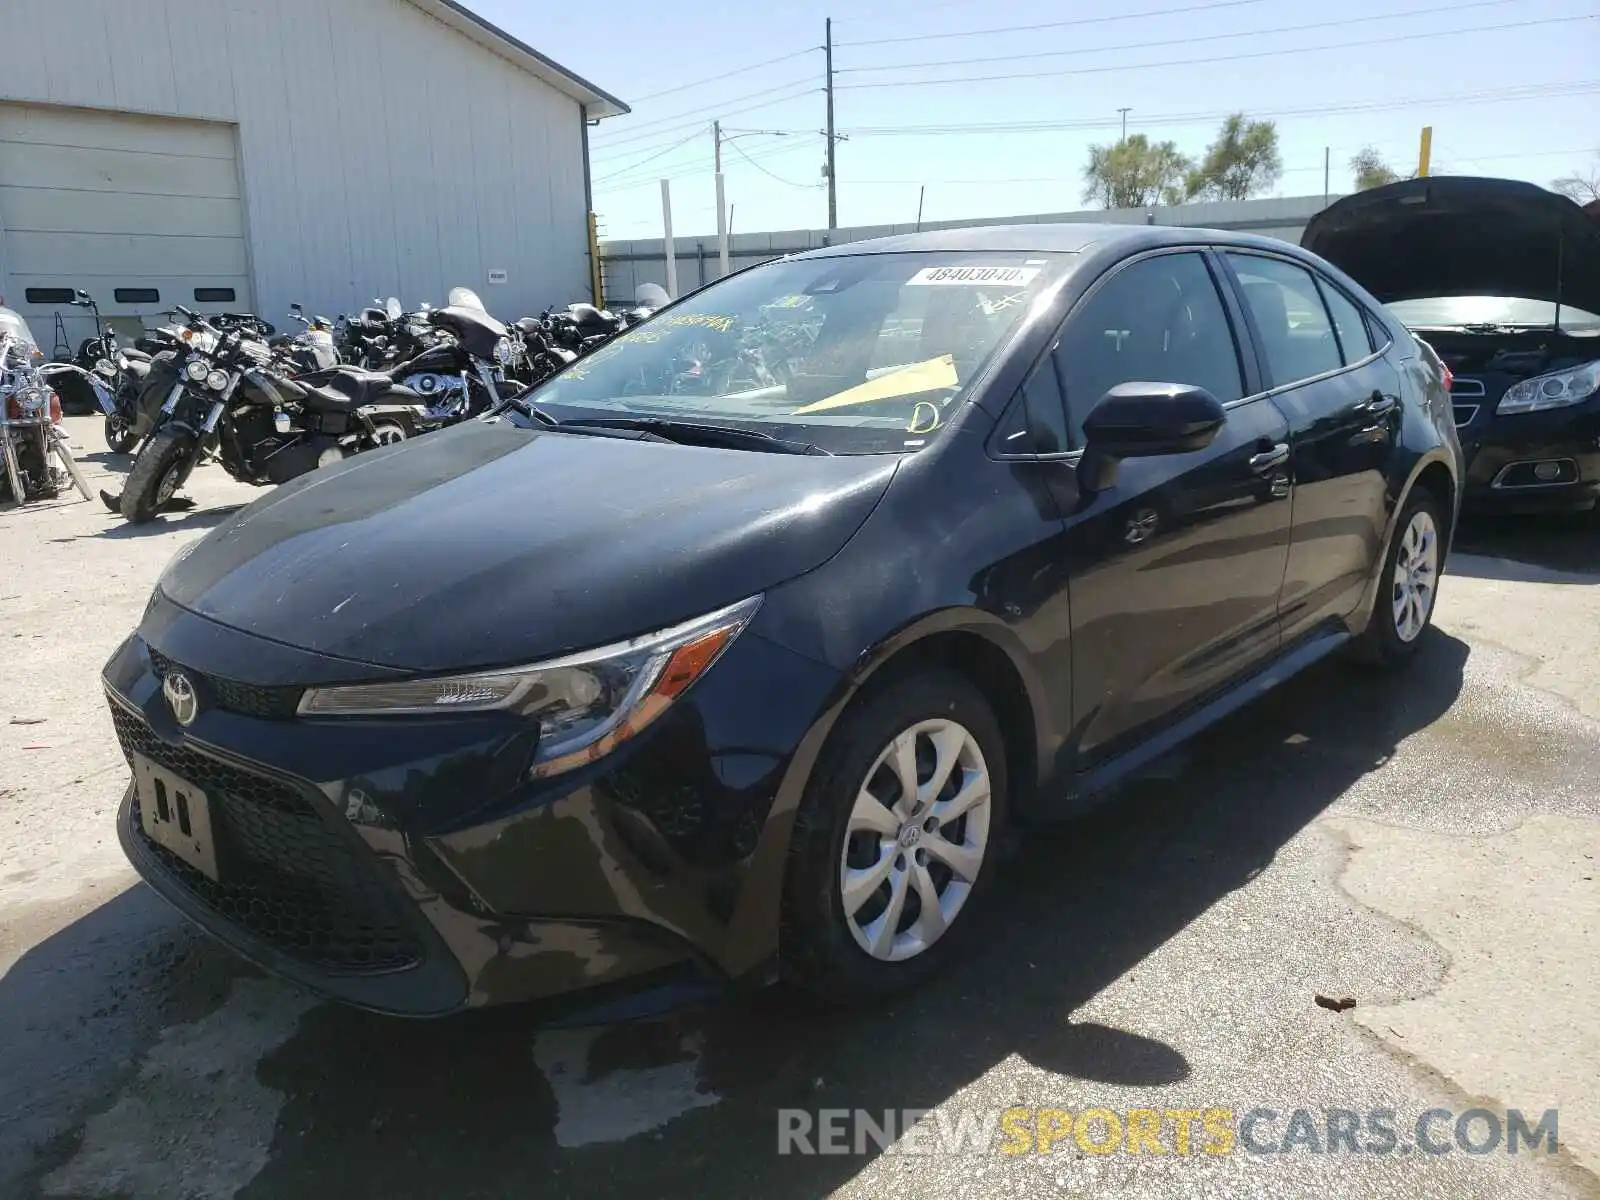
(1242, 161)
(1370, 169)
(1135, 173)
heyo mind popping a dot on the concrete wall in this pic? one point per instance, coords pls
(630, 263)
(381, 150)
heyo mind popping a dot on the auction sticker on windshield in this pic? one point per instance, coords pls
(970, 276)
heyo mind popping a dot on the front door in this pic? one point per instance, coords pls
(1342, 401)
(1175, 569)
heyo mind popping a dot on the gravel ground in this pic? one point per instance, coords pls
(1424, 845)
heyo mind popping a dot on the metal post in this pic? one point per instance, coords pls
(833, 191)
(1326, 151)
(922, 194)
(668, 244)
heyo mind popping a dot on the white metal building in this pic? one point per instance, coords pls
(245, 154)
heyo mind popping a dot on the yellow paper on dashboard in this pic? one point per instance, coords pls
(907, 381)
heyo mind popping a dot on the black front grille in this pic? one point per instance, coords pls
(287, 876)
(250, 699)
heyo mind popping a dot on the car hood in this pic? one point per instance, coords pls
(1460, 236)
(493, 544)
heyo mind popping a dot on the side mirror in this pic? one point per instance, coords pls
(1140, 420)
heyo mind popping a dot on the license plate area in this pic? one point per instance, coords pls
(175, 815)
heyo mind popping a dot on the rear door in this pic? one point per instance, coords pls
(1341, 398)
(1174, 569)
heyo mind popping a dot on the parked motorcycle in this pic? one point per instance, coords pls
(311, 349)
(225, 398)
(30, 417)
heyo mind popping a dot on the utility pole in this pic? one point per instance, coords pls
(833, 190)
(1326, 152)
(1124, 112)
(722, 208)
(1425, 152)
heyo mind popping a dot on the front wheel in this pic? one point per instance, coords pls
(8, 448)
(895, 840)
(1409, 585)
(159, 471)
(58, 443)
(120, 437)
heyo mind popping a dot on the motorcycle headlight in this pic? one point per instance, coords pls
(1555, 390)
(196, 370)
(217, 380)
(586, 704)
(502, 350)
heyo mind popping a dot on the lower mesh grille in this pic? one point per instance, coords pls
(286, 876)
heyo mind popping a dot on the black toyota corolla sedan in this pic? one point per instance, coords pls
(1502, 278)
(731, 653)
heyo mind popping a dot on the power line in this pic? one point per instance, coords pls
(739, 150)
(1502, 95)
(720, 76)
(629, 132)
(696, 170)
(1254, 54)
(1155, 12)
(1181, 41)
(659, 154)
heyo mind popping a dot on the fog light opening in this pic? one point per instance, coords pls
(1547, 472)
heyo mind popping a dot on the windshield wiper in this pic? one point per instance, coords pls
(696, 433)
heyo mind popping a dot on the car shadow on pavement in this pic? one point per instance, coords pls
(204, 518)
(1530, 548)
(470, 1106)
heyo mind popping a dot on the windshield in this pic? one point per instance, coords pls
(12, 325)
(1436, 311)
(461, 297)
(858, 355)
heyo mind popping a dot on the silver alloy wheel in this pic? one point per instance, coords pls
(1416, 576)
(169, 483)
(387, 433)
(915, 839)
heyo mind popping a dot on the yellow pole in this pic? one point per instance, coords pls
(1425, 153)
(594, 262)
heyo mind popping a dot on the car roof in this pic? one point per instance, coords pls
(1061, 237)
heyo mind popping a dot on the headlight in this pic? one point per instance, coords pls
(586, 703)
(196, 369)
(1555, 390)
(502, 350)
(217, 380)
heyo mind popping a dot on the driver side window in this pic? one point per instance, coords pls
(1158, 320)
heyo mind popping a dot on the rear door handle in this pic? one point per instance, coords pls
(1376, 405)
(1270, 460)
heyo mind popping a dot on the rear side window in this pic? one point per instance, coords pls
(1296, 335)
(1347, 323)
(1158, 320)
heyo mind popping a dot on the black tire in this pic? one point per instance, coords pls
(168, 451)
(120, 437)
(1383, 645)
(819, 953)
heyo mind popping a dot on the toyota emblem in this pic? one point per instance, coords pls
(181, 697)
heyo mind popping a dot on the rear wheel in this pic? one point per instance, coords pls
(159, 471)
(1409, 585)
(387, 433)
(895, 840)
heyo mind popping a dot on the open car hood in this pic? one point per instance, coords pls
(1462, 236)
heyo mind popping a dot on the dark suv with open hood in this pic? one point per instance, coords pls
(1502, 279)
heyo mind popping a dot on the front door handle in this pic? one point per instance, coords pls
(1378, 404)
(1270, 460)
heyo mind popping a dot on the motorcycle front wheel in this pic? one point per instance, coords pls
(120, 437)
(58, 443)
(158, 472)
(19, 494)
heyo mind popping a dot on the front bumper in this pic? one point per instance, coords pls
(408, 867)
(1504, 452)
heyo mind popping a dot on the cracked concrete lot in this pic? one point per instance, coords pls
(1426, 845)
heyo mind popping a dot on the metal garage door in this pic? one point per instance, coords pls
(143, 212)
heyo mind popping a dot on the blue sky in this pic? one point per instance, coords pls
(1511, 87)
